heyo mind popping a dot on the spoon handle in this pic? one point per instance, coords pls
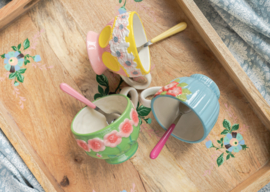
(155, 152)
(175, 29)
(72, 92)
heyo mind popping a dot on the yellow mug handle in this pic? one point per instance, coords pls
(175, 29)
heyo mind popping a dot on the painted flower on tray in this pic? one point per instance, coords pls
(96, 144)
(126, 128)
(13, 61)
(134, 117)
(98, 155)
(233, 142)
(112, 139)
(83, 145)
(209, 144)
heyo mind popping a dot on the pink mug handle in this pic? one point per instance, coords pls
(72, 92)
(155, 152)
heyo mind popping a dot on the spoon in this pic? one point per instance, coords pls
(175, 29)
(110, 117)
(183, 109)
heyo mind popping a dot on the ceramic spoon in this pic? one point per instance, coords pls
(176, 29)
(110, 117)
(155, 152)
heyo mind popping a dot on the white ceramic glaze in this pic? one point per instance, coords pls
(137, 85)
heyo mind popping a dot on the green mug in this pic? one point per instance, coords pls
(116, 142)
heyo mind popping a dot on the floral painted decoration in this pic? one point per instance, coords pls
(232, 142)
(175, 89)
(112, 139)
(15, 60)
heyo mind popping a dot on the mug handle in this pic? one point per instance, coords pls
(147, 92)
(136, 84)
(133, 93)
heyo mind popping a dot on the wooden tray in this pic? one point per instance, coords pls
(36, 115)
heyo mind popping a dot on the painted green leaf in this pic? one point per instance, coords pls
(235, 127)
(14, 48)
(163, 93)
(143, 111)
(22, 71)
(16, 83)
(221, 145)
(227, 124)
(148, 120)
(102, 80)
(227, 151)
(20, 77)
(26, 61)
(182, 85)
(19, 46)
(120, 1)
(100, 90)
(244, 147)
(26, 44)
(232, 155)
(219, 141)
(3, 56)
(12, 75)
(138, 0)
(182, 97)
(97, 96)
(228, 156)
(107, 90)
(220, 159)
(140, 121)
(224, 132)
(186, 91)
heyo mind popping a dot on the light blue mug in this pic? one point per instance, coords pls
(199, 93)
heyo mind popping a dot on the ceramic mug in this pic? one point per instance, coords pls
(115, 48)
(116, 142)
(199, 93)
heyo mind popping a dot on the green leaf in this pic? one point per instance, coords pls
(26, 44)
(182, 97)
(232, 155)
(220, 159)
(26, 61)
(138, 0)
(143, 111)
(19, 46)
(186, 91)
(140, 121)
(107, 91)
(100, 90)
(224, 132)
(148, 120)
(14, 48)
(235, 127)
(3, 56)
(227, 124)
(22, 71)
(219, 141)
(120, 1)
(227, 151)
(228, 156)
(102, 80)
(221, 145)
(182, 85)
(244, 147)
(20, 77)
(16, 83)
(163, 93)
(12, 75)
(97, 96)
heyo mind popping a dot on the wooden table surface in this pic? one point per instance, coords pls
(36, 115)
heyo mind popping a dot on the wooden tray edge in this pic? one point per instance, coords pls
(212, 39)
(26, 151)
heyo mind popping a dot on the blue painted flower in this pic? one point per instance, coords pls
(37, 58)
(233, 142)
(13, 61)
(209, 144)
(123, 191)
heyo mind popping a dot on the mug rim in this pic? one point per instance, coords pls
(108, 126)
(153, 111)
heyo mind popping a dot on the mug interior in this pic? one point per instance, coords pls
(189, 127)
(89, 120)
(140, 39)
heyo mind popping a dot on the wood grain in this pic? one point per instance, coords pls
(14, 9)
(48, 112)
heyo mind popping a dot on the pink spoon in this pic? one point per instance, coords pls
(110, 117)
(155, 152)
